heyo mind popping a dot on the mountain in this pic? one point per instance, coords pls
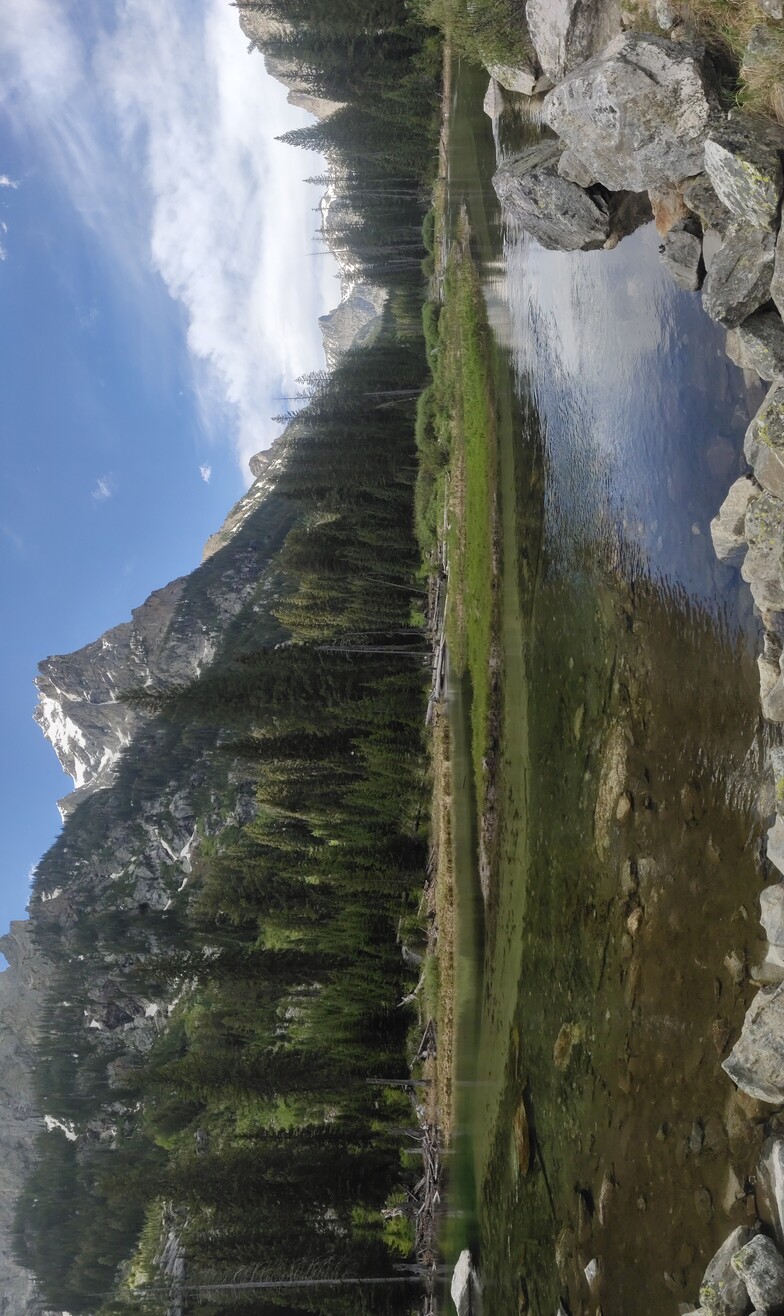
(145, 796)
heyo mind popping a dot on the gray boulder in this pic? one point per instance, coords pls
(638, 114)
(772, 913)
(761, 1267)
(771, 687)
(764, 441)
(565, 33)
(464, 1285)
(758, 344)
(771, 8)
(728, 529)
(701, 198)
(722, 1291)
(777, 282)
(571, 167)
(555, 211)
(770, 1186)
(493, 103)
(763, 566)
(743, 162)
(756, 1062)
(775, 845)
(521, 79)
(681, 256)
(738, 281)
(762, 46)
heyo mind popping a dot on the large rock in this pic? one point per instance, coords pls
(764, 441)
(565, 33)
(743, 162)
(758, 344)
(763, 566)
(558, 213)
(775, 845)
(722, 1291)
(739, 278)
(770, 1186)
(771, 687)
(759, 1264)
(700, 196)
(521, 78)
(464, 1285)
(493, 103)
(681, 256)
(638, 114)
(756, 1062)
(777, 282)
(772, 913)
(728, 529)
(570, 166)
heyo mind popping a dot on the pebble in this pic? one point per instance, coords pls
(633, 921)
(697, 1137)
(703, 1204)
(624, 808)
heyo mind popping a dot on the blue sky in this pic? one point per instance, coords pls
(159, 290)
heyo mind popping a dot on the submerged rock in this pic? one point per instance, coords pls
(743, 162)
(558, 213)
(728, 529)
(565, 33)
(739, 278)
(758, 344)
(756, 1062)
(761, 1268)
(638, 114)
(764, 442)
(722, 1291)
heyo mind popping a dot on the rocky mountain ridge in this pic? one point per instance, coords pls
(121, 849)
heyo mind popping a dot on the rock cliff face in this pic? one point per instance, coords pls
(261, 28)
(170, 638)
(21, 989)
(128, 848)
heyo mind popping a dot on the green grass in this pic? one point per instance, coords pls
(487, 31)
(464, 402)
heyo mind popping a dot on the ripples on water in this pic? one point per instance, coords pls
(630, 428)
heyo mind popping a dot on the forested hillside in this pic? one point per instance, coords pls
(223, 923)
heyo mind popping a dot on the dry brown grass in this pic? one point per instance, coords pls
(443, 947)
(726, 26)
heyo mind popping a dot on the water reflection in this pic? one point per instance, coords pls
(626, 868)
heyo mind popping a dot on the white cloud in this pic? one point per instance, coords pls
(161, 127)
(5, 181)
(104, 488)
(205, 471)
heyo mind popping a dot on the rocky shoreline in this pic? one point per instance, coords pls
(640, 133)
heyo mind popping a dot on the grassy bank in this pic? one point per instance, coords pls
(457, 524)
(456, 437)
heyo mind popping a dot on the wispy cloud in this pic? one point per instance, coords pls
(12, 537)
(162, 128)
(104, 489)
(205, 471)
(5, 181)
